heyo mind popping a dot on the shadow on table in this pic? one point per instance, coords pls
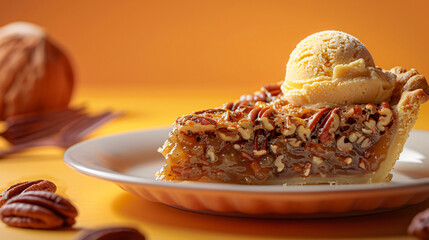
(392, 223)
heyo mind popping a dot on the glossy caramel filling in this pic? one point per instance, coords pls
(329, 143)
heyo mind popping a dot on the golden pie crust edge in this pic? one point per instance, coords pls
(411, 90)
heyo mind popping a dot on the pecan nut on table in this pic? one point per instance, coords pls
(112, 233)
(38, 209)
(16, 189)
(419, 227)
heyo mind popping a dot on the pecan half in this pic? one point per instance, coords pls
(259, 96)
(384, 119)
(419, 226)
(199, 119)
(253, 115)
(262, 150)
(369, 126)
(304, 133)
(112, 233)
(316, 118)
(38, 209)
(288, 127)
(16, 189)
(280, 166)
(329, 127)
(213, 110)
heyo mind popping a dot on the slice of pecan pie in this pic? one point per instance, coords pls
(262, 139)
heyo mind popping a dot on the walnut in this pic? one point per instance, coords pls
(210, 154)
(229, 137)
(369, 126)
(196, 124)
(294, 142)
(385, 118)
(246, 129)
(366, 143)
(362, 164)
(35, 74)
(289, 128)
(348, 160)
(259, 153)
(279, 164)
(354, 136)
(317, 160)
(304, 133)
(267, 124)
(330, 127)
(307, 169)
(343, 146)
(274, 148)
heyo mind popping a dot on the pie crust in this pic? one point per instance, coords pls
(262, 139)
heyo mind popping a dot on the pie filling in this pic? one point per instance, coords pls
(261, 139)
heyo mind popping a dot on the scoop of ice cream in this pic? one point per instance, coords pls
(334, 68)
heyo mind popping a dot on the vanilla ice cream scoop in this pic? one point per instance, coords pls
(334, 68)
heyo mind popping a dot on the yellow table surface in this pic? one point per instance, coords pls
(101, 203)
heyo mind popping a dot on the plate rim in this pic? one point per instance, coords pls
(118, 177)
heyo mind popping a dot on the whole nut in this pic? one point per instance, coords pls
(330, 127)
(343, 146)
(280, 166)
(289, 128)
(385, 118)
(196, 124)
(419, 226)
(113, 233)
(35, 74)
(304, 133)
(16, 189)
(317, 117)
(294, 142)
(369, 126)
(38, 209)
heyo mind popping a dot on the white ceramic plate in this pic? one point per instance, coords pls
(131, 160)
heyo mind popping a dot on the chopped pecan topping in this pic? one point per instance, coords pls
(214, 110)
(362, 164)
(261, 96)
(199, 120)
(307, 169)
(317, 160)
(343, 146)
(369, 126)
(279, 164)
(384, 119)
(294, 142)
(348, 160)
(259, 148)
(303, 133)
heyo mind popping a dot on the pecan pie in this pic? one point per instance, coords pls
(266, 138)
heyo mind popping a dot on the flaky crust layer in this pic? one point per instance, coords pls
(411, 90)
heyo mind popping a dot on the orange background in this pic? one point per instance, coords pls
(157, 60)
(226, 47)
